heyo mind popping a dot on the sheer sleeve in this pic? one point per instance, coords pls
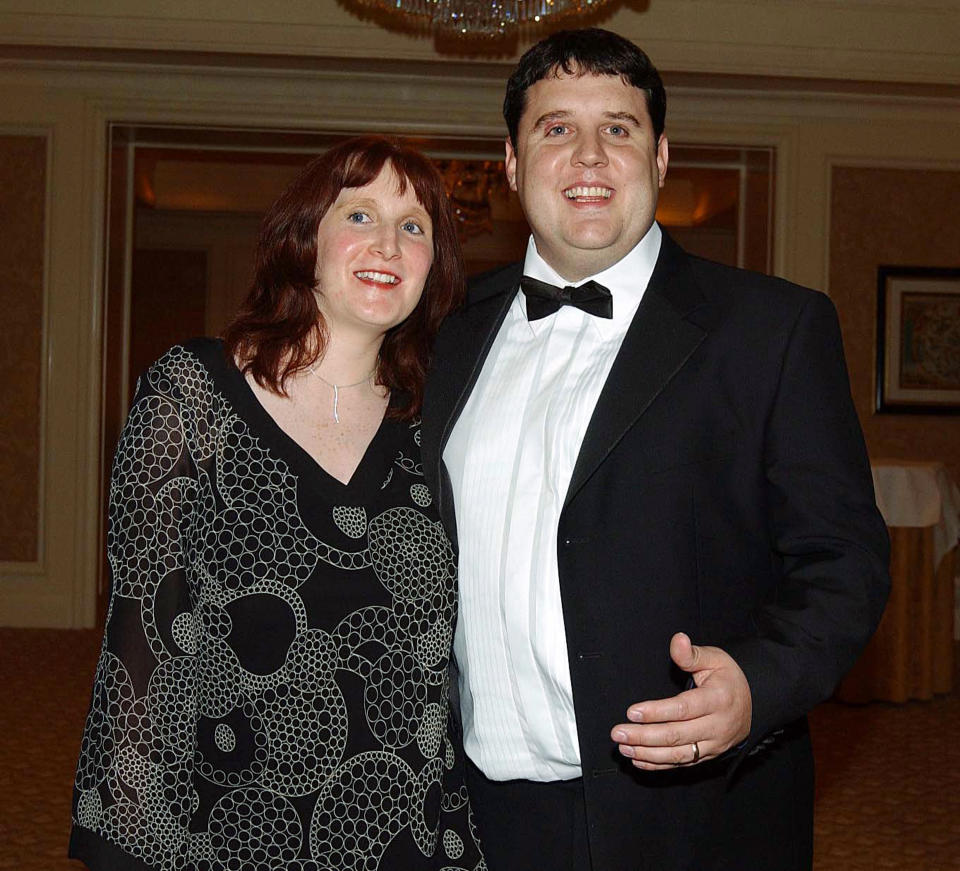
(458, 847)
(133, 794)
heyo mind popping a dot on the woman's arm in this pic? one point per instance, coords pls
(133, 794)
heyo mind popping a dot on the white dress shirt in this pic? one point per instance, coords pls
(510, 458)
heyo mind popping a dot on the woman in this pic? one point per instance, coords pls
(272, 691)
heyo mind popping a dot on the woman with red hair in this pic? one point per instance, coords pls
(272, 689)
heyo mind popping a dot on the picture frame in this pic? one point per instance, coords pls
(918, 340)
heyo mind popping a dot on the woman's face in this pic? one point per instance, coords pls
(374, 251)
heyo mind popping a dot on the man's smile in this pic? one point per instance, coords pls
(588, 194)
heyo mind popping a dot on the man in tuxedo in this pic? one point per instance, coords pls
(657, 486)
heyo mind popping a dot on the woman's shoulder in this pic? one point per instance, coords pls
(208, 351)
(187, 370)
(203, 346)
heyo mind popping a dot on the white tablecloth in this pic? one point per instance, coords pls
(914, 493)
(919, 494)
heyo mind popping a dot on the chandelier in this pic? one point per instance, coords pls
(480, 18)
(472, 185)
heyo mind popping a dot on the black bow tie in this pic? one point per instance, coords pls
(544, 299)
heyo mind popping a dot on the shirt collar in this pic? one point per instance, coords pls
(627, 279)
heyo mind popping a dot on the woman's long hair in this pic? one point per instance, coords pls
(279, 329)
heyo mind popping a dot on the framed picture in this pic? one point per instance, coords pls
(918, 340)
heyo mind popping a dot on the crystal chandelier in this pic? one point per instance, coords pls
(471, 185)
(481, 18)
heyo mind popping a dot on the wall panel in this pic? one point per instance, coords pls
(23, 171)
(890, 216)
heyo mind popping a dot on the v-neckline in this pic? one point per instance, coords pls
(365, 475)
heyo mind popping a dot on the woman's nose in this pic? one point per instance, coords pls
(386, 243)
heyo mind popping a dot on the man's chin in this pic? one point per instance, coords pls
(595, 248)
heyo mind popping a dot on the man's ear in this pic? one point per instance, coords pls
(663, 158)
(510, 163)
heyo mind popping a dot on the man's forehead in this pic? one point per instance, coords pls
(559, 75)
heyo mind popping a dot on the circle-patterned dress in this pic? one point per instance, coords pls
(272, 688)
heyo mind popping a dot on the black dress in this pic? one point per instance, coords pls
(272, 689)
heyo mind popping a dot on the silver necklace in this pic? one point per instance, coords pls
(338, 387)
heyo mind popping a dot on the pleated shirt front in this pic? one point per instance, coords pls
(510, 458)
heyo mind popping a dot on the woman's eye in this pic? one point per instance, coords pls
(358, 218)
(412, 227)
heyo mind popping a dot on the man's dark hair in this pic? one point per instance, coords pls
(589, 51)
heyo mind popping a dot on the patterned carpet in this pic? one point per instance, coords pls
(888, 791)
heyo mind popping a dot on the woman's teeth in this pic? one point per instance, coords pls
(379, 277)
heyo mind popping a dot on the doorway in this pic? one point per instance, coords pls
(184, 206)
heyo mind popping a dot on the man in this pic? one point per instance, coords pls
(654, 476)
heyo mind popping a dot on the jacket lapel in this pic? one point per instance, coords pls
(466, 341)
(473, 340)
(657, 344)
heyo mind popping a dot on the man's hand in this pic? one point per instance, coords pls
(695, 725)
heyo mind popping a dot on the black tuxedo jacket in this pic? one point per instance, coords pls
(722, 489)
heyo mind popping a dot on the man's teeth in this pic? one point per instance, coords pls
(589, 192)
(379, 277)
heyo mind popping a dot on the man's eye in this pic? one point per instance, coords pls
(557, 130)
(617, 130)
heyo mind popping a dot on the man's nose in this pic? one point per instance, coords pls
(590, 149)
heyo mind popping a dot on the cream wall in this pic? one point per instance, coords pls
(882, 40)
(891, 216)
(71, 97)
